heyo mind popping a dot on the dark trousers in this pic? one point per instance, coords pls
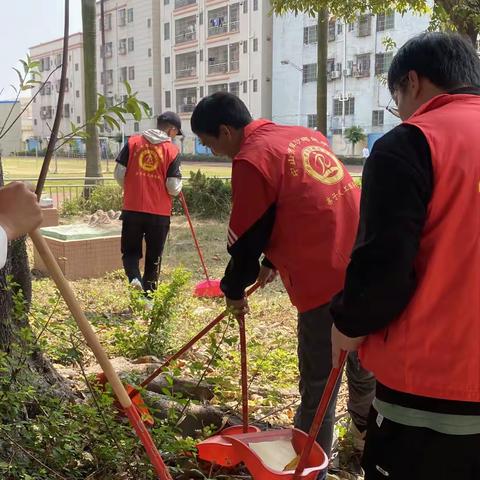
(133, 233)
(315, 363)
(399, 452)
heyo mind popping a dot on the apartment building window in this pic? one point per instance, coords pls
(330, 65)
(218, 21)
(219, 87)
(122, 17)
(310, 34)
(108, 50)
(109, 74)
(149, 52)
(123, 74)
(57, 85)
(78, 119)
(362, 68)
(245, 46)
(122, 46)
(245, 86)
(185, 29)
(312, 121)
(186, 65)
(377, 118)
(131, 73)
(44, 64)
(349, 107)
(255, 85)
(168, 99)
(255, 5)
(167, 65)
(109, 102)
(76, 67)
(255, 44)
(131, 44)
(234, 88)
(130, 15)
(218, 59)
(234, 51)
(385, 21)
(245, 6)
(66, 110)
(58, 59)
(200, 55)
(351, 27)
(200, 18)
(149, 23)
(150, 82)
(46, 113)
(332, 26)
(309, 73)
(107, 23)
(184, 3)
(166, 31)
(136, 127)
(339, 28)
(234, 17)
(34, 121)
(166, 2)
(382, 62)
(186, 99)
(364, 25)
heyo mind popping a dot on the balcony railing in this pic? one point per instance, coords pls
(185, 37)
(184, 3)
(235, 26)
(234, 65)
(217, 30)
(218, 68)
(186, 107)
(186, 72)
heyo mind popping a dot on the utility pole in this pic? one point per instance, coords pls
(104, 58)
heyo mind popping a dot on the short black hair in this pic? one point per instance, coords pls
(448, 60)
(220, 108)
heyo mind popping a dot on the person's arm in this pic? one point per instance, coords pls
(19, 214)
(121, 165)
(251, 223)
(397, 186)
(174, 178)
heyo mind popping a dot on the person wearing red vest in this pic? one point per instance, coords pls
(148, 168)
(296, 203)
(411, 300)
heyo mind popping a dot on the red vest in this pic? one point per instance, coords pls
(144, 185)
(317, 206)
(433, 348)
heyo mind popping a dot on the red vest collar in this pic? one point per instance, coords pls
(441, 100)
(251, 127)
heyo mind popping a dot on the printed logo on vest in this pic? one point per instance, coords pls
(149, 158)
(322, 165)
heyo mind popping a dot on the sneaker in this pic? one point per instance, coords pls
(136, 284)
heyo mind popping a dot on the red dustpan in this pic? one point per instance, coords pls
(206, 288)
(229, 448)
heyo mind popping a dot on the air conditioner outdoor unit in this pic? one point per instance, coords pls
(347, 72)
(335, 74)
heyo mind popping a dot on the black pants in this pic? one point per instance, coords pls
(399, 452)
(133, 233)
(315, 363)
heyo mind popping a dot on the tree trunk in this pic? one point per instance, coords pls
(41, 373)
(322, 54)
(93, 167)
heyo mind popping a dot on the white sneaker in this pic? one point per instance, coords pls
(136, 284)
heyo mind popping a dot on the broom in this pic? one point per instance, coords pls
(208, 287)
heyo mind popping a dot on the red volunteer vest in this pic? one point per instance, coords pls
(144, 185)
(433, 348)
(316, 209)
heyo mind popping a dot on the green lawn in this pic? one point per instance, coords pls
(29, 167)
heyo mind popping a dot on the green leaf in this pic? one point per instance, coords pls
(111, 121)
(25, 66)
(19, 75)
(128, 88)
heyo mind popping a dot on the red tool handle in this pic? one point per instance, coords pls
(189, 344)
(243, 363)
(327, 395)
(187, 214)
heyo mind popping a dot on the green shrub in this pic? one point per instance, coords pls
(195, 157)
(206, 197)
(102, 197)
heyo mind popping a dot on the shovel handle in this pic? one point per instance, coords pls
(82, 322)
(327, 395)
(244, 380)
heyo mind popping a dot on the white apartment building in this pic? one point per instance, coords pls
(357, 64)
(49, 55)
(215, 45)
(132, 54)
